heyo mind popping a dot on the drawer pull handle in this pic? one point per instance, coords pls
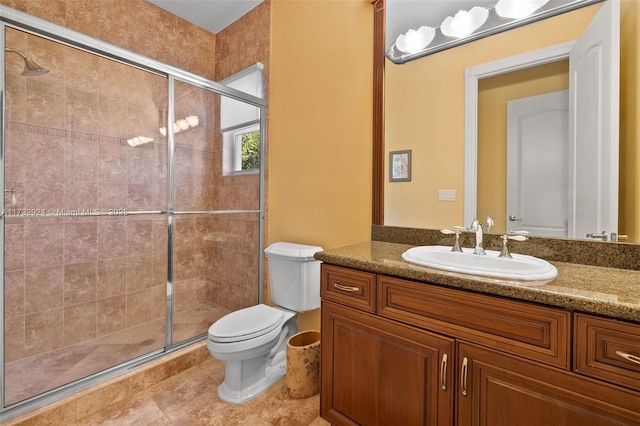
(346, 288)
(629, 357)
(443, 372)
(463, 377)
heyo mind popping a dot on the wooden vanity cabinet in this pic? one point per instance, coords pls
(430, 355)
(499, 389)
(608, 350)
(377, 372)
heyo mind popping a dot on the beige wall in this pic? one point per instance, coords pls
(424, 109)
(320, 119)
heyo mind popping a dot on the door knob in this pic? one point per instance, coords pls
(598, 236)
(604, 236)
(513, 218)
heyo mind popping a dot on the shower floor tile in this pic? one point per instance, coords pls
(32, 376)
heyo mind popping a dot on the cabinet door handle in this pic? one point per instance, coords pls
(629, 357)
(463, 377)
(345, 288)
(443, 372)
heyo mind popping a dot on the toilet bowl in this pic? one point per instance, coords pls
(252, 341)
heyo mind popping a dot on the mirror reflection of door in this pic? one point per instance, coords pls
(537, 146)
(594, 69)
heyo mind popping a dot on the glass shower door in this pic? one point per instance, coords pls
(85, 224)
(216, 233)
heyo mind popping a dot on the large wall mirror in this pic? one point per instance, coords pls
(425, 112)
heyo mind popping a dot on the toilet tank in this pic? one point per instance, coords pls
(294, 276)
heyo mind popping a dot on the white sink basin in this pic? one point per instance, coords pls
(520, 267)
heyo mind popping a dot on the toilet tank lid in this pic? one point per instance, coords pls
(298, 251)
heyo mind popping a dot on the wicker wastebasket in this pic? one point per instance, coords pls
(303, 364)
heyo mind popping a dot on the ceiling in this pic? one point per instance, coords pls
(212, 15)
(402, 15)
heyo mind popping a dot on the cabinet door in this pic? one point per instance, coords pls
(376, 372)
(496, 389)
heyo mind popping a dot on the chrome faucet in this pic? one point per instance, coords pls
(476, 227)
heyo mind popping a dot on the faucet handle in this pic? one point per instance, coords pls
(456, 232)
(490, 222)
(505, 250)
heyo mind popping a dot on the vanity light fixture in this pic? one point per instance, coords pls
(182, 124)
(415, 40)
(478, 22)
(139, 140)
(518, 9)
(464, 22)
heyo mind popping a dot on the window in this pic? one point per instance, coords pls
(246, 149)
(240, 124)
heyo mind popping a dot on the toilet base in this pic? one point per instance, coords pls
(245, 379)
(272, 373)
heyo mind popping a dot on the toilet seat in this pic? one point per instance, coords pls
(246, 324)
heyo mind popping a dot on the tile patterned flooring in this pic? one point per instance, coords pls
(190, 398)
(187, 398)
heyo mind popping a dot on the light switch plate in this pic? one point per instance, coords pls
(446, 194)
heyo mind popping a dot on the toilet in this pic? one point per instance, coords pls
(252, 341)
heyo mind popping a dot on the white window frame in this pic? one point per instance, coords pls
(237, 148)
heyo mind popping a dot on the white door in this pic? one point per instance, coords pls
(537, 177)
(594, 65)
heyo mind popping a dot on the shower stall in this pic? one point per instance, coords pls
(133, 209)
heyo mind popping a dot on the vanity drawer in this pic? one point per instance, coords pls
(601, 346)
(531, 331)
(348, 287)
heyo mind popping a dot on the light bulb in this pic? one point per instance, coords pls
(415, 40)
(183, 124)
(464, 23)
(193, 120)
(518, 9)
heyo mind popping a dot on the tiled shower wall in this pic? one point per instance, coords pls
(70, 279)
(74, 148)
(238, 47)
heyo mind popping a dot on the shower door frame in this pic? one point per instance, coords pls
(12, 18)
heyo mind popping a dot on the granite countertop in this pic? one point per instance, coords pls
(592, 289)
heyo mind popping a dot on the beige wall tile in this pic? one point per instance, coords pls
(43, 331)
(80, 322)
(43, 244)
(112, 275)
(43, 289)
(80, 242)
(80, 282)
(111, 314)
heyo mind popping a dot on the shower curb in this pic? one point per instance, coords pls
(84, 403)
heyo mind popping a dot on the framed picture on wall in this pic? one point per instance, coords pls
(400, 166)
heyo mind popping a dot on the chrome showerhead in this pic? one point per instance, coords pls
(31, 68)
